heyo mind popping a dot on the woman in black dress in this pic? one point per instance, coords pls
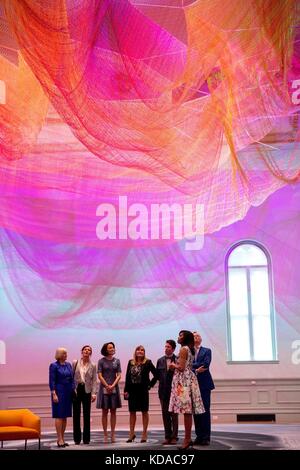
(136, 391)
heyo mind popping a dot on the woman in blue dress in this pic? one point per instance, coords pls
(61, 383)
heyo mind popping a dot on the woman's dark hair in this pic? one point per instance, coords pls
(87, 346)
(104, 348)
(172, 343)
(188, 340)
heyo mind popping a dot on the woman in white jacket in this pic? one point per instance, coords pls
(85, 376)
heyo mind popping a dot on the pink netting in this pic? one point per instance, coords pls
(164, 102)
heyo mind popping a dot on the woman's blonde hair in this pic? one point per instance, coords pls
(134, 361)
(59, 352)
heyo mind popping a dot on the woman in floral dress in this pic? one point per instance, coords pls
(185, 393)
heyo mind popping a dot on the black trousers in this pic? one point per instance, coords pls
(170, 420)
(84, 399)
(202, 422)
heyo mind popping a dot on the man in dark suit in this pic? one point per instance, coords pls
(165, 376)
(201, 368)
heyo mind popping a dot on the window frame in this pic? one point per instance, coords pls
(250, 314)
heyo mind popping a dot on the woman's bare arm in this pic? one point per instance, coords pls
(183, 354)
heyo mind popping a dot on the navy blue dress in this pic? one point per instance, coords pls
(61, 380)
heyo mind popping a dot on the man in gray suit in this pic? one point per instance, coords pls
(165, 376)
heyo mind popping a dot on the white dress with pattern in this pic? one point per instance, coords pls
(185, 392)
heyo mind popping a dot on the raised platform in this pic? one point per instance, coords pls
(225, 437)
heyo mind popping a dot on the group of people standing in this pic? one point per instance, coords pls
(185, 385)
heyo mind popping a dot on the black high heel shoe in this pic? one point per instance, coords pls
(185, 446)
(60, 445)
(131, 439)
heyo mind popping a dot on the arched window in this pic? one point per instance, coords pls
(250, 309)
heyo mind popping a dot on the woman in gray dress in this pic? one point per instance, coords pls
(109, 373)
